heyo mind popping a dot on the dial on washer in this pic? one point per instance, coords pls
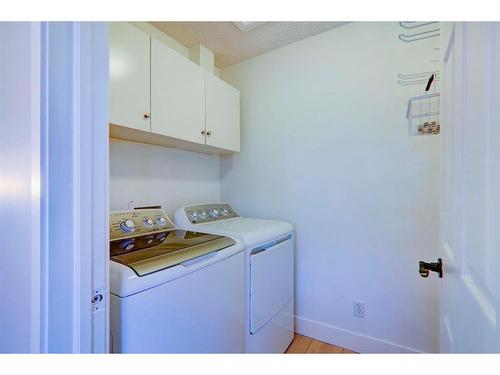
(127, 226)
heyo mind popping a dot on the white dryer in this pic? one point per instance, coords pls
(269, 272)
(174, 291)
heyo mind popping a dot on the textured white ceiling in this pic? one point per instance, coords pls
(230, 45)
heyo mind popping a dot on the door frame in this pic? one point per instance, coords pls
(447, 41)
(74, 194)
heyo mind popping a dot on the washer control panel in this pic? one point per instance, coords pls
(130, 223)
(209, 212)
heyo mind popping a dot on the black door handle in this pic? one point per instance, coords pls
(424, 268)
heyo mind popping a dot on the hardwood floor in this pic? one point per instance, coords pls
(306, 345)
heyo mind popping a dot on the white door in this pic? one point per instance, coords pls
(129, 78)
(470, 227)
(222, 114)
(20, 182)
(177, 95)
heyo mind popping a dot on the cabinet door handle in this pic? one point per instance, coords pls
(203, 132)
(146, 115)
(209, 133)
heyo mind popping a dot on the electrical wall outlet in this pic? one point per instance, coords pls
(358, 309)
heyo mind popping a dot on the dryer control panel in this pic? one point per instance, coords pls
(209, 212)
(131, 223)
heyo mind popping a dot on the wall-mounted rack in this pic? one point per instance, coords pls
(414, 24)
(415, 36)
(416, 82)
(416, 78)
(422, 111)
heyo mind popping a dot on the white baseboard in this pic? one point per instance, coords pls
(347, 339)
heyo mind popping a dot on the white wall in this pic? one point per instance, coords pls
(325, 146)
(161, 175)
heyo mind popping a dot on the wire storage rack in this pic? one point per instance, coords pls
(419, 31)
(416, 78)
(423, 114)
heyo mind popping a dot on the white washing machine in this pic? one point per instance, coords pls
(174, 291)
(269, 269)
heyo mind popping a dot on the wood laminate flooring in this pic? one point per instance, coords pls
(306, 345)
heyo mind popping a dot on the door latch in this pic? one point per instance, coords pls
(424, 268)
(98, 301)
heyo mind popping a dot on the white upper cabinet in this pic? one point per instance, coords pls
(222, 119)
(129, 75)
(177, 95)
(159, 96)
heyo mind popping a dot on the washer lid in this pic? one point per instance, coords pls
(146, 254)
(251, 231)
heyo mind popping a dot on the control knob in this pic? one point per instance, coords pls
(161, 221)
(214, 212)
(148, 222)
(127, 245)
(225, 212)
(127, 226)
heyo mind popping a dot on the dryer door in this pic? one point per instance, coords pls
(271, 281)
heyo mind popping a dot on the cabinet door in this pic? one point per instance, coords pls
(222, 114)
(129, 76)
(177, 95)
